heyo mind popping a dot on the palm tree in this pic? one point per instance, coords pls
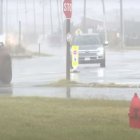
(104, 14)
(34, 10)
(26, 17)
(51, 16)
(43, 18)
(6, 24)
(1, 16)
(84, 20)
(58, 14)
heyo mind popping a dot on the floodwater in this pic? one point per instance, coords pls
(31, 75)
(71, 93)
(121, 67)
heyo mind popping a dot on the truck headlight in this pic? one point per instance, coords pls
(100, 51)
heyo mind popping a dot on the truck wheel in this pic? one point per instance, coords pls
(102, 64)
(6, 70)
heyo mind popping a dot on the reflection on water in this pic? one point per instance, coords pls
(98, 74)
(75, 77)
(101, 72)
(76, 92)
(68, 92)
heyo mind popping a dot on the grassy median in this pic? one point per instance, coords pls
(57, 119)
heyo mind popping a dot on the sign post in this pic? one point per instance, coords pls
(67, 8)
(68, 51)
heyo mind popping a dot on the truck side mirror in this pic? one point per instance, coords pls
(106, 43)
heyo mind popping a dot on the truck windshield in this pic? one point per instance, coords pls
(87, 40)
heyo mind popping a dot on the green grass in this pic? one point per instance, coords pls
(58, 119)
(66, 83)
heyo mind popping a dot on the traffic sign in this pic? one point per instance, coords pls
(75, 57)
(67, 8)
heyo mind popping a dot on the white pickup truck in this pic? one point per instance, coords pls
(91, 50)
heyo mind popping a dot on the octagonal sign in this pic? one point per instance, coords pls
(67, 8)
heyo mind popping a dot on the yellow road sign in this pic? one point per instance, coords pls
(78, 32)
(75, 56)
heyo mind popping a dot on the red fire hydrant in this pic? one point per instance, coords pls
(134, 112)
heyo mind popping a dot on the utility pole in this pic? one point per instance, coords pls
(121, 24)
(61, 14)
(34, 10)
(1, 17)
(58, 14)
(18, 11)
(43, 19)
(104, 16)
(19, 37)
(26, 18)
(7, 15)
(61, 20)
(84, 20)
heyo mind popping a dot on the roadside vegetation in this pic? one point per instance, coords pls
(66, 83)
(58, 119)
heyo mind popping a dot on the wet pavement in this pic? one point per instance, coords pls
(71, 93)
(78, 93)
(121, 67)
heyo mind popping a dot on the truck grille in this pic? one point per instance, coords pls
(87, 54)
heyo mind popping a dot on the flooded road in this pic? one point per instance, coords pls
(121, 67)
(29, 74)
(78, 93)
(71, 93)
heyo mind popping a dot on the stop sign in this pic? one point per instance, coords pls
(67, 8)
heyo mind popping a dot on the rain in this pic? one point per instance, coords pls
(34, 33)
(69, 69)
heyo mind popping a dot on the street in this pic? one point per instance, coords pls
(121, 67)
(30, 74)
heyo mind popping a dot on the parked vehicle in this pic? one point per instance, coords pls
(91, 50)
(5, 65)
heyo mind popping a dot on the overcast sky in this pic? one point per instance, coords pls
(94, 10)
